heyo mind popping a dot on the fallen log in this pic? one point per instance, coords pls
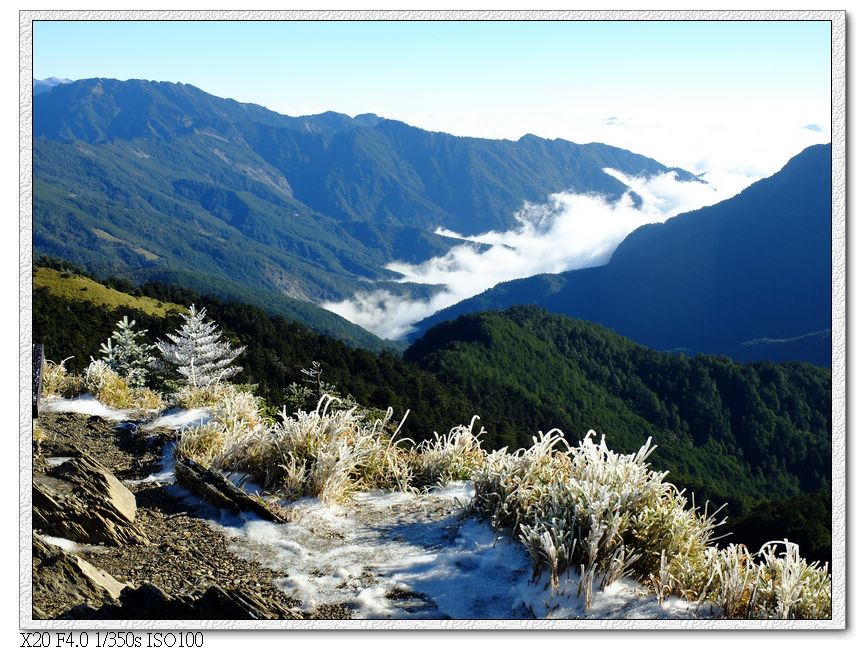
(215, 488)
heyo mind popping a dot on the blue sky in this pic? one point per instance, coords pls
(731, 100)
(744, 90)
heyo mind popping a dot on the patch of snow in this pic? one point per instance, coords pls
(54, 461)
(623, 599)
(398, 555)
(178, 418)
(62, 542)
(86, 405)
(72, 547)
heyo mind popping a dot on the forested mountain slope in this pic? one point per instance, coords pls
(737, 433)
(730, 431)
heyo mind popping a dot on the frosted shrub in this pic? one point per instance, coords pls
(789, 587)
(57, 381)
(766, 585)
(390, 463)
(210, 397)
(235, 415)
(450, 458)
(127, 356)
(588, 508)
(341, 452)
(203, 443)
(731, 579)
(115, 391)
(198, 353)
(325, 453)
(222, 398)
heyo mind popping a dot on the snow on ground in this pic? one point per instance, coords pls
(73, 547)
(396, 555)
(86, 405)
(178, 418)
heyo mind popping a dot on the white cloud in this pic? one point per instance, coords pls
(570, 231)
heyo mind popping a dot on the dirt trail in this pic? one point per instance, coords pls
(186, 551)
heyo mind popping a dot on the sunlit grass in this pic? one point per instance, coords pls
(57, 381)
(102, 382)
(78, 288)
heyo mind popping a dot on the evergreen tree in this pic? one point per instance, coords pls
(128, 357)
(198, 352)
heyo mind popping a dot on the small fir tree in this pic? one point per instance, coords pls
(198, 352)
(127, 356)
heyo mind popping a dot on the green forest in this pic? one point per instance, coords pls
(755, 436)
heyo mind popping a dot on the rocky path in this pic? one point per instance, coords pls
(185, 554)
(384, 555)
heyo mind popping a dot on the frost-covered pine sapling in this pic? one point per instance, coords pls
(130, 358)
(198, 352)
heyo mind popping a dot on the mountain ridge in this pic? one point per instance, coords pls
(139, 178)
(755, 266)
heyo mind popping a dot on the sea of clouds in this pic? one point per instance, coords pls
(570, 231)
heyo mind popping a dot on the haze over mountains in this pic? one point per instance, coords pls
(161, 181)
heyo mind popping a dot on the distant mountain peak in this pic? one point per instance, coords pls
(43, 85)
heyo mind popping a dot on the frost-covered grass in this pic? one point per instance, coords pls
(234, 415)
(57, 381)
(603, 516)
(768, 585)
(590, 510)
(115, 391)
(582, 511)
(453, 457)
(324, 453)
(328, 452)
(589, 519)
(98, 379)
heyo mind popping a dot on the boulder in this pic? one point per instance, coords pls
(82, 501)
(66, 576)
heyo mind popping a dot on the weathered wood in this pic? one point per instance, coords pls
(38, 363)
(214, 487)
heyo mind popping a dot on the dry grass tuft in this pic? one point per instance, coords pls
(102, 382)
(57, 381)
(115, 391)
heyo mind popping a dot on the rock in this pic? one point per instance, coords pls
(93, 478)
(145, 602)
(230, 604)
(149, 602)
(82, 501)
(61, 575)
(213, 487)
